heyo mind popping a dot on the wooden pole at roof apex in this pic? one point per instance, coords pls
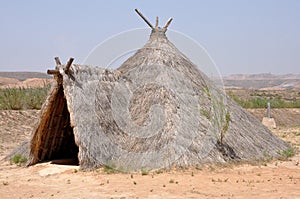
(156, 22)
(69, 64)
(168, 23)
(142, 16)
(57, 61)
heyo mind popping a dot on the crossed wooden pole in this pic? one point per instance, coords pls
(156, 21)
(58, 64)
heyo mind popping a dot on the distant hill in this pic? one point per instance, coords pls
(262, 76)
(21, 76)
(24, 79)
(265, 81)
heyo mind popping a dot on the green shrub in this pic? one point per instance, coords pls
(109, 168)
(227, 120)
(158, 171)
(23, 98)
(144, 172)
(18, 159)
(205, 113)
(285, 154)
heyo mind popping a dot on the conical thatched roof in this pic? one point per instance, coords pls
(156, 110)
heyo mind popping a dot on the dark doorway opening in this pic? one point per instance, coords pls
(58, 142)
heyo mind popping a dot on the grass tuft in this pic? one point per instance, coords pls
(144, 172)
(109, 168)
(286, 154)
(18, 159)
(205, 113)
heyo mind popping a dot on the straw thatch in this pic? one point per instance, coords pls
(156, 110)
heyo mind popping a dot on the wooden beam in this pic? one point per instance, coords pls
(168, 23)
(69, 64)
(53, 72)
(142, 16)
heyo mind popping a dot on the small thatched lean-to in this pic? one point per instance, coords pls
(156, 110)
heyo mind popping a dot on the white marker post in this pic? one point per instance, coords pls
(269, 110)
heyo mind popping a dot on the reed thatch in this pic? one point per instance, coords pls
(156, 110)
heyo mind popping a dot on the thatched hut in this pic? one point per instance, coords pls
(156, 110)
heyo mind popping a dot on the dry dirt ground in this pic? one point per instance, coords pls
(276, 179)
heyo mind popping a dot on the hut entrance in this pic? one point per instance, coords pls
(57, 142)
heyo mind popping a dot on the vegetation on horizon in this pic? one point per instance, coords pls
(23, 98)
(33, 98)
(261, 102)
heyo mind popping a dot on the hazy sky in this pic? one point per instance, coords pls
(241, 36)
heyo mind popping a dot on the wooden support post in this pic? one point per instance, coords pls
(142, 16)
(69, 64)
(168, 23)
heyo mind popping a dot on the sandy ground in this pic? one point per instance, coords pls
(277, 179)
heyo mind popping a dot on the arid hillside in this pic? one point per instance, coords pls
(264, 81)
(21, 76)
(24, 79)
